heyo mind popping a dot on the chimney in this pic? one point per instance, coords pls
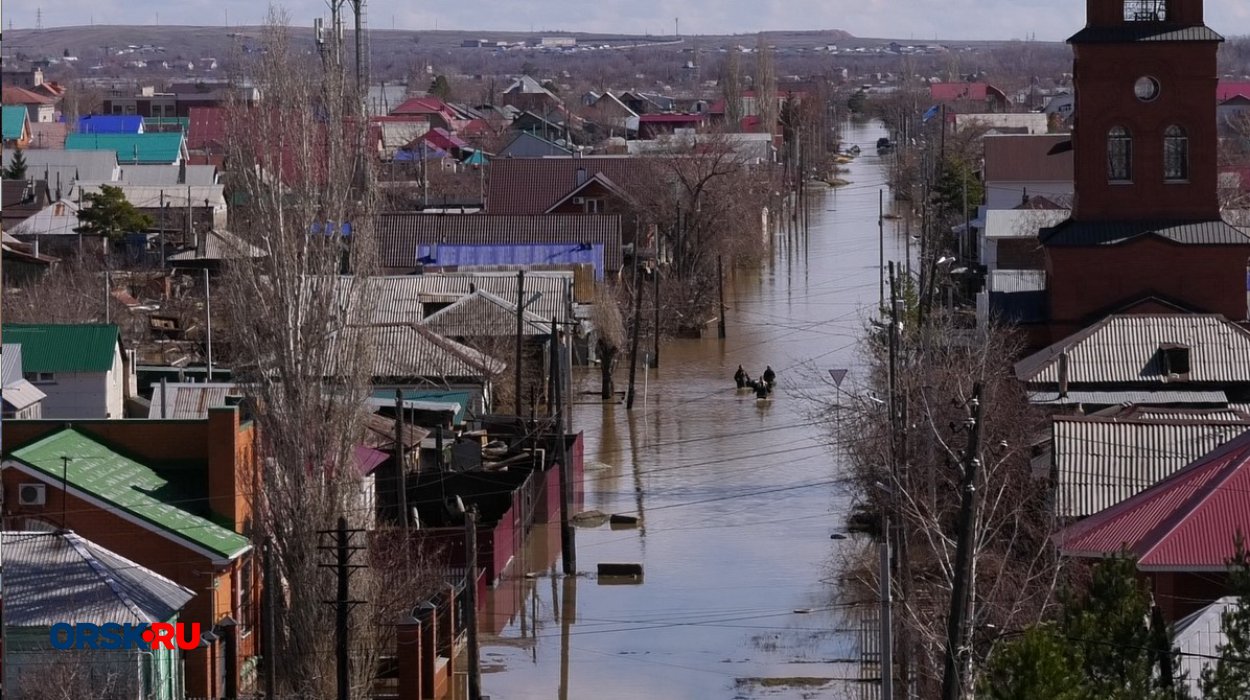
(1063, 374)
(230, 466)
(580, 177)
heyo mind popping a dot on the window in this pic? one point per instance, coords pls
(1175, 154)
(243, 609)
(1146, 88)
(1175, 360)
(593, 205)
(1119, 155)
(39, 377)
(1145, 10)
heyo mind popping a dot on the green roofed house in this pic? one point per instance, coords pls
(16, 126)
(97, 586)
(162, 148)
(80, 367)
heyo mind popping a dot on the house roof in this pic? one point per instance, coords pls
(1157, 397)
(526, 85)
(13, 95)
(482, 314)
(672, 118)
(400, 235)
(414, 351)
(206, 127)
(158, 147)
(1029, 158)
(1143, 31)
(219, 245)
(513, 256)
(528, 145)
(1103, 459)
(532, 185)
(110, 124)
(399, 300)
(950, 92)
(126, 488)
(17, 392)
(59, 218)
(1124, 349)
(93, 584)
(1021, 223)
(64, 167)
(169, 176)
(16, 122)
(1095, 233)
(176, 197)
(187, 401)
(1198, 637)
(70, 347)
(1184, 523)
(443, 139)
(1228, 89)
(48, 134)
(381, 431)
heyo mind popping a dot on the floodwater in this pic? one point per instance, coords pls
(737, 500)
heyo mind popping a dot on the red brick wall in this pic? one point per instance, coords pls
(1086, 281)
(1104, 75)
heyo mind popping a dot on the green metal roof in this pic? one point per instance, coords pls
(131, 148)
(76, 347)
(128, 486)
(160, 124)
(14, 117)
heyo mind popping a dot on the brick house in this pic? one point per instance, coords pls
(169, 495)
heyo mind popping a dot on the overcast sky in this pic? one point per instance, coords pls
(918, 19)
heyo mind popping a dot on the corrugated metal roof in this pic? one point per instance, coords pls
(1159, 397)
(110, 124)
(69, 347)
(64, 167)
(1100, 461)
(169, 176)
(1198, 637)
(156, 197)
(1021, 223)
(10, 363)
(1185, 523)
(189, 401)
(1124, 349)
(219, 245)
(52, 577)
(15, 121)
(125, 485)
(1095, 233)
(416, 352)
(131, 148)
(514, 256)
(1011, 281)
(1143, 31)
(1028, 158)
(401, 235)
(21, 394)
(399, 299)
(482, 314)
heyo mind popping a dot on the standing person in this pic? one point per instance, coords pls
(741, 378)
(770, 377)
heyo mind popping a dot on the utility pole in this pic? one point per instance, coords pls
(880, 248)
(887, 614)
(655, 291)
(270, 640)
(520, 315)
(208, 325)
(344, 550)
(957, 625)
(568, 554)
(633, 353)
(399, 496)
(720, 284)
(470, 594)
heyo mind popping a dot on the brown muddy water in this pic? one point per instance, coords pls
(740, 598)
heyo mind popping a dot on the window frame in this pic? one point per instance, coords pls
(1119, 137)
(1175, 153)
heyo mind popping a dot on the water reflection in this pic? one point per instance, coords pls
(736, 499)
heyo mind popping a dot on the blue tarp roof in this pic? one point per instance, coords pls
(444, 255)
(110, 124)
(423, 151)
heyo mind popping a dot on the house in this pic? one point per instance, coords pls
(82, 368)
(22, 263)
(486, 321)
(48, 135)
(22, 400)
(23, 199)
(1233, 115)
(647, 102)
(179, 100)
(1011, 255)
(526, 93)
(551, 126)
(399, 131)
(172, 496)
(443, 140)
(409, 299)
(169, 175)
(1101, 459)
(1180, 531)
(1031, 123)
(404, 239)
(1018, 167)
(53, 228)
(171, 206)
(433, 110)
(110, 124)
(1199, 637)
(16, 129)
(975, 96)
(40, 107)
(60, 168)
(611, 116)
(1154, 359)
(213, 250)
(97, 586)
(158, 148)
(652, 126)
(528, 145)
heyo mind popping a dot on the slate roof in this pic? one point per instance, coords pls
(399, 299)
(70, 347)
(1143, 31)
(1096, 233)
(1198, 637)
(528, 145)
(1101, 460)
(533, 185)
(401, 234)
(48, 135)
(412, 351)
(59, 218)
(1184, 523)
(93, 584)
(1021, 223)
(1029, 158)
(15, 121)
(17, 392)
(1124, 349)
(1157, 397)
(482, 314)
(131, 148)
(169, 176)
(68, 166)
(156, 196)
(219, 245)
(123, 486)
(189, 401)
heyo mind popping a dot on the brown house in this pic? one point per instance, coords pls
(169, 495)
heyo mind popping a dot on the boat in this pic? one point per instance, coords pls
(884, 144)
(853, 150)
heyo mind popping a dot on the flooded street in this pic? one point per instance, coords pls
(737, 501)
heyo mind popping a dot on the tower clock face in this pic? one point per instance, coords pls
(1146, 88)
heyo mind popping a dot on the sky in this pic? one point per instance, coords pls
(1046, 20)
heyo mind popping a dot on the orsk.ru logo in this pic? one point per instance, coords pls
(112, 636)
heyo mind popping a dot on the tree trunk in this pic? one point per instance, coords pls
(607, 363)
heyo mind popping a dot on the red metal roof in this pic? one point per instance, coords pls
(1228, 89)
(1184, 523)
(424, 105)
(13, 95)
(951, 92)
(442, 139)
(206, 128)
(533, 185)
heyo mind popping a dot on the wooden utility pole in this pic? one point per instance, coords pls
(720, 284)
(343, 549)
(520, 329)
(880, 248)
(470, 594)
(568, 553)
(208, 325)
(270, 638)
(887, 613)
(953, 680)
(399, 495)
(655, 295)
(633, 352)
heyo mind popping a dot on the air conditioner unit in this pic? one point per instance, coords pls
(579, 200)
(32, 494)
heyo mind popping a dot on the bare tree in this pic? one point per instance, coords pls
(731, 90)
(766, 86)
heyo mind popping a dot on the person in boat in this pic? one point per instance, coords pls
(741, 378)
(769, 377)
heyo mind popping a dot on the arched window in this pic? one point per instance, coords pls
(1119, 155)
(1175, 154)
